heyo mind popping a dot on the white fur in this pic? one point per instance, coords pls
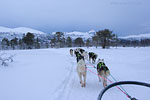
(100, 60)
(71, 53)
(81, 70)
(85, 54)
(78, 49)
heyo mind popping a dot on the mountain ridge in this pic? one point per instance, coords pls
(137, 37)
(75, 34)
(19, 30)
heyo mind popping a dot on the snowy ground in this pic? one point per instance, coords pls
(50, 74)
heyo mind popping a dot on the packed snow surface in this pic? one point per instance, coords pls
(50, 74)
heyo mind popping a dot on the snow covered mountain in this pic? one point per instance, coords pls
(137, 37)
(19, 30)
(11, 33)
(76, 34)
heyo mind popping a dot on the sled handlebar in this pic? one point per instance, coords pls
(122, 83)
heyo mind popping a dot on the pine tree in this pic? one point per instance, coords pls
(53, 42)
(69, 42)
(5, 43)
(14, 42)
(29, 40)
(79, 42)
(59, 39)
(37, 43)
(95, 40)
(105, 37)
(21, 43)
(87, 43)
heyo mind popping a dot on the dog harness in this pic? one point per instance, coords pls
(100, 64)
(92, 54)
(78, 55)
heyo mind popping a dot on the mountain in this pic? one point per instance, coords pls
(11, 33)
(76, 34)
(19, 30)
(137, 37)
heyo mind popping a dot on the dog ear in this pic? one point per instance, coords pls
(99, 59)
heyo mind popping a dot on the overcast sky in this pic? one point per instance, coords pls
(122, 16)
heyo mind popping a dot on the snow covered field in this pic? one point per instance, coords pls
(50, 74)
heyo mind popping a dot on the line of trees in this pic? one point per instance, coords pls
(134, 43)
(104, 38)
(28, 41)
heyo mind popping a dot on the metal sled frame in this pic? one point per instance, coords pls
(122, 83)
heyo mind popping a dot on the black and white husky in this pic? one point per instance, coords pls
(78, 55)
(81, 70)
(92, 56)
(102, 71)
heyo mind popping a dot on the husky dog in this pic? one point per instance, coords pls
(85, 54)
(92, 56)
(71, 52)
(81, 51)
(102, 71)
(81, 70)
(78, 55)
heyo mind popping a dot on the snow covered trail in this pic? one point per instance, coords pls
(50, 74)
(70, 87)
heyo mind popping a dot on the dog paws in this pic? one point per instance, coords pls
(104, 85)
(83, 85)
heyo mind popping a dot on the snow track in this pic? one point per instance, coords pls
(63, 90)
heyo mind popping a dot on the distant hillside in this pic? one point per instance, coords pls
(19, 30)
(11, 33)
(137, 37)
(76, 34)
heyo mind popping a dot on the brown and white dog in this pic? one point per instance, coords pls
(102, 71)
(81, 70)
(71, 52)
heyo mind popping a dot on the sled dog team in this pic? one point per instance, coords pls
(81, 55)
